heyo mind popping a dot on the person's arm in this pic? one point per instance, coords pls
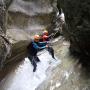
(43, 43)
(38, 47)
(50, 36)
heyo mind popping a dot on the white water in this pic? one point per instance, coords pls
(23, 78)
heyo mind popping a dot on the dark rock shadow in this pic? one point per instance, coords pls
(82, 59)
(10, 67)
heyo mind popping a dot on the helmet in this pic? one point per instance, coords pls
(45, 32)
(36, 38)
(45, 38)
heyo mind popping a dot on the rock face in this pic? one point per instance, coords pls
(3, 18)
(4, 43)
(30, 15)
(24, 18)
(77, 17)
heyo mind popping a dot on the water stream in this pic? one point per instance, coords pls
(23, 77)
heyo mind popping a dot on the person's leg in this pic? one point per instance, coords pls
(32, 59)
(34, 64)
(37, 59)
(51, 51)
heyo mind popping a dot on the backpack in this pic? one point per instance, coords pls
(30, 49)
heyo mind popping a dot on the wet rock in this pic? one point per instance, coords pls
(19, 51)
(30, 15)
(2, 17)
(77, 29)
(25, 18)
(4, 51)
(4, 42)
(19, 40)
(12, 42)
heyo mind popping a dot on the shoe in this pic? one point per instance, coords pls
(34, 69)
(38, 60)
(54, 58)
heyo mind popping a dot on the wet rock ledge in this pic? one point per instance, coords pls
(20, 19)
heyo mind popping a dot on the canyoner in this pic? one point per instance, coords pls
(34, 47)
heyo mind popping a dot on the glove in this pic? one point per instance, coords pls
(47, 46)
(48, 42)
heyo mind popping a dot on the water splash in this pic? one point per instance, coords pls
(23, 77)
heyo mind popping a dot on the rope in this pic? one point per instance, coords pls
(53, 34)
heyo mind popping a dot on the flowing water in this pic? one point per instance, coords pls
(64, 73)
(23, 77)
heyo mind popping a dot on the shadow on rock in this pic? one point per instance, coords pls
(83, 59)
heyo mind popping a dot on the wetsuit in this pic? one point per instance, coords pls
(33, 48)
(46, 38)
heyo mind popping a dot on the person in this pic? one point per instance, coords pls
(51, 51)
(33, 48)
(45, 38)
(45, 35)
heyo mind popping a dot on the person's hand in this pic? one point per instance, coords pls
(48, 42)
(46, 46)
